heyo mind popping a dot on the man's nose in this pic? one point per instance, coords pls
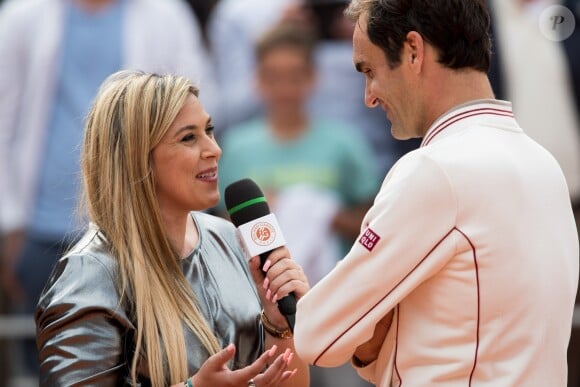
(370, 100)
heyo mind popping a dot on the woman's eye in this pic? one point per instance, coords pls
(188, 137)
(210, 130)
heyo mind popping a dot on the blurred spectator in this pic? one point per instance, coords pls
(537, 78)
(541, 76)
(202, 9)
(234, 27)
(318, 174)
(53, 56)
(572, 50)
(4, 309)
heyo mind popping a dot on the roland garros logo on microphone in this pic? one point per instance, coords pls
(263, 233)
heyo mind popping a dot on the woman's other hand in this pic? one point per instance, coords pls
(214, 372)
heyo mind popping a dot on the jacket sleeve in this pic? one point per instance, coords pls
(402, 244)
(81, 328)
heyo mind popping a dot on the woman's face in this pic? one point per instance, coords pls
(185, 162)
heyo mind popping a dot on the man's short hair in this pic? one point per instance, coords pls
(458, 29)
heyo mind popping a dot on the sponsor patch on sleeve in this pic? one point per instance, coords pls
(369, 239)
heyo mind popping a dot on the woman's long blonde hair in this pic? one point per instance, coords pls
(130, 115)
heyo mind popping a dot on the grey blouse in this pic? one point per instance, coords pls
(85, 336)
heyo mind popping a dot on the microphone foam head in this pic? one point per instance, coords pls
(245, 201)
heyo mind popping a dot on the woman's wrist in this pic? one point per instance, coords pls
(274, 316)
(279, 332)
(190, 382)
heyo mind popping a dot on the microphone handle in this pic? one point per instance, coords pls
(287, 304)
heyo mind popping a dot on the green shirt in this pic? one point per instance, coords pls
(329, 154)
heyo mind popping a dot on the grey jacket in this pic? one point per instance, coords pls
(85, 334)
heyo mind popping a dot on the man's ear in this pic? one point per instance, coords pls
(414, 50)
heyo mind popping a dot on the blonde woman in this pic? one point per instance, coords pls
(157, 292)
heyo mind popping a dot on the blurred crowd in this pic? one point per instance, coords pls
(278, 79)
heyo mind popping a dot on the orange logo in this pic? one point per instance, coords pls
(263, 233)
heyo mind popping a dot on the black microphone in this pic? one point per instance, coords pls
(247, 206)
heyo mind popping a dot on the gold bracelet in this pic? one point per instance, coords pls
(273, 330)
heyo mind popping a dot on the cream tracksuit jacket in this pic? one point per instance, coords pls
(472, 242)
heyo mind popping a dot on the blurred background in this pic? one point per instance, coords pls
(55, 53)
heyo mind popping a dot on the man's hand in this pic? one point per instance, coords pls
(369, 351)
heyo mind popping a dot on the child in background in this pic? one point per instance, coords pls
(317, 173)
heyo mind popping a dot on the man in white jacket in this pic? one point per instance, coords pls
(466, 268)
(53, 56)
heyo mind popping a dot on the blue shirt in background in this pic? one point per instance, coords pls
(91, 50)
